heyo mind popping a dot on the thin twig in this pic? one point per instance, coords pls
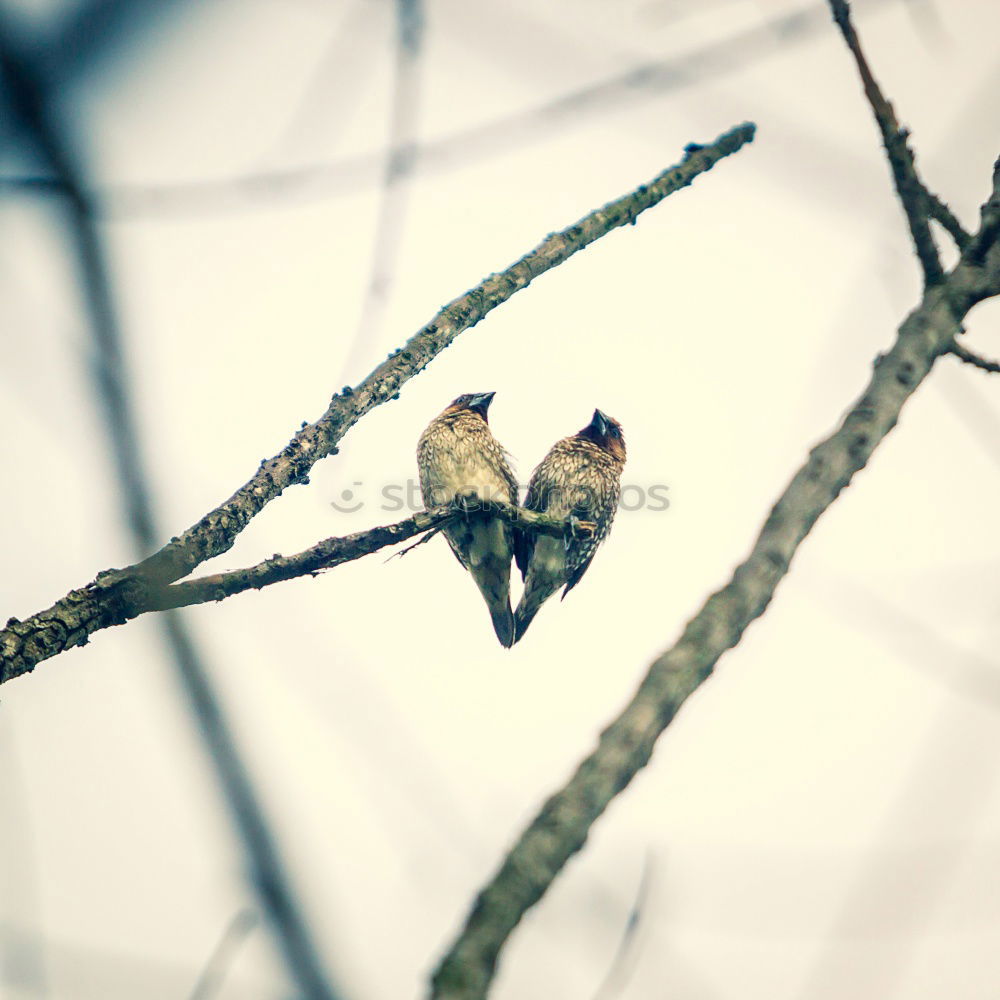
(423, 540)
(989, 223)
(912, 193)
(561, 827)
(939, 211)
(971, 358)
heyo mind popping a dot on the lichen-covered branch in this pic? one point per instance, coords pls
(561, 827)
(913, 194)
(118, 596)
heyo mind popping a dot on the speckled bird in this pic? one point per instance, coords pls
(458, 457)
(579, 479)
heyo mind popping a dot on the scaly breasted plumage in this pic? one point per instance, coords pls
(579, 479)
(458, 456)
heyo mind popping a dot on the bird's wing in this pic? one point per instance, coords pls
(580, 551)
(580, 567)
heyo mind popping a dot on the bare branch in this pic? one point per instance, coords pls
(911, 190)
(116, 597)
(971, 358)
(939, 211)
(336, 551)
(989, 227)
(561, 827)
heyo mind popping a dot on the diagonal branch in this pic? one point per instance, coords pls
(911, 190)
(562, 825)
(336, 551)
(939, 211)
(114, 598)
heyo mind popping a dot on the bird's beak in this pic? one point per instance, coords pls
(600, 423)
(480, 402)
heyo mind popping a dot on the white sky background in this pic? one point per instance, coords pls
(823, 818)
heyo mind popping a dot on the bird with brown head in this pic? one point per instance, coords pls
(580, 480)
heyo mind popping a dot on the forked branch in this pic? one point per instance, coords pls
(913, 194)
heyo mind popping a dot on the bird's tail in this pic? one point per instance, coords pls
(503, 624)
(493, 579)
(527, 608)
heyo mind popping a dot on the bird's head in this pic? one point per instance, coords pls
(477, 402)
(606, 433)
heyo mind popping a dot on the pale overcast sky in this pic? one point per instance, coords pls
(822, 820)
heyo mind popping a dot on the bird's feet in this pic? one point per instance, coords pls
(467, 502)
(575, 528)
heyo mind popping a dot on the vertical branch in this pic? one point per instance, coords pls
(913, 195)
(28, 100)
(396, 181)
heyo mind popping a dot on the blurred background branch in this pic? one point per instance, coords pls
(560, 829)
(28, 99)
(643, 82)
(400, 162)
(389, 767)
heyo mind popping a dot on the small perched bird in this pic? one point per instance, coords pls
(458, 457)
(579, 479)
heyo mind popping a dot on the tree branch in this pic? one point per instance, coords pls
(561, 827)
(938, 210)
(971, 358)
(335, 551)
(117, 596)
(912, 192)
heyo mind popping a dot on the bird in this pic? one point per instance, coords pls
(459, 459)
(579, 480)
